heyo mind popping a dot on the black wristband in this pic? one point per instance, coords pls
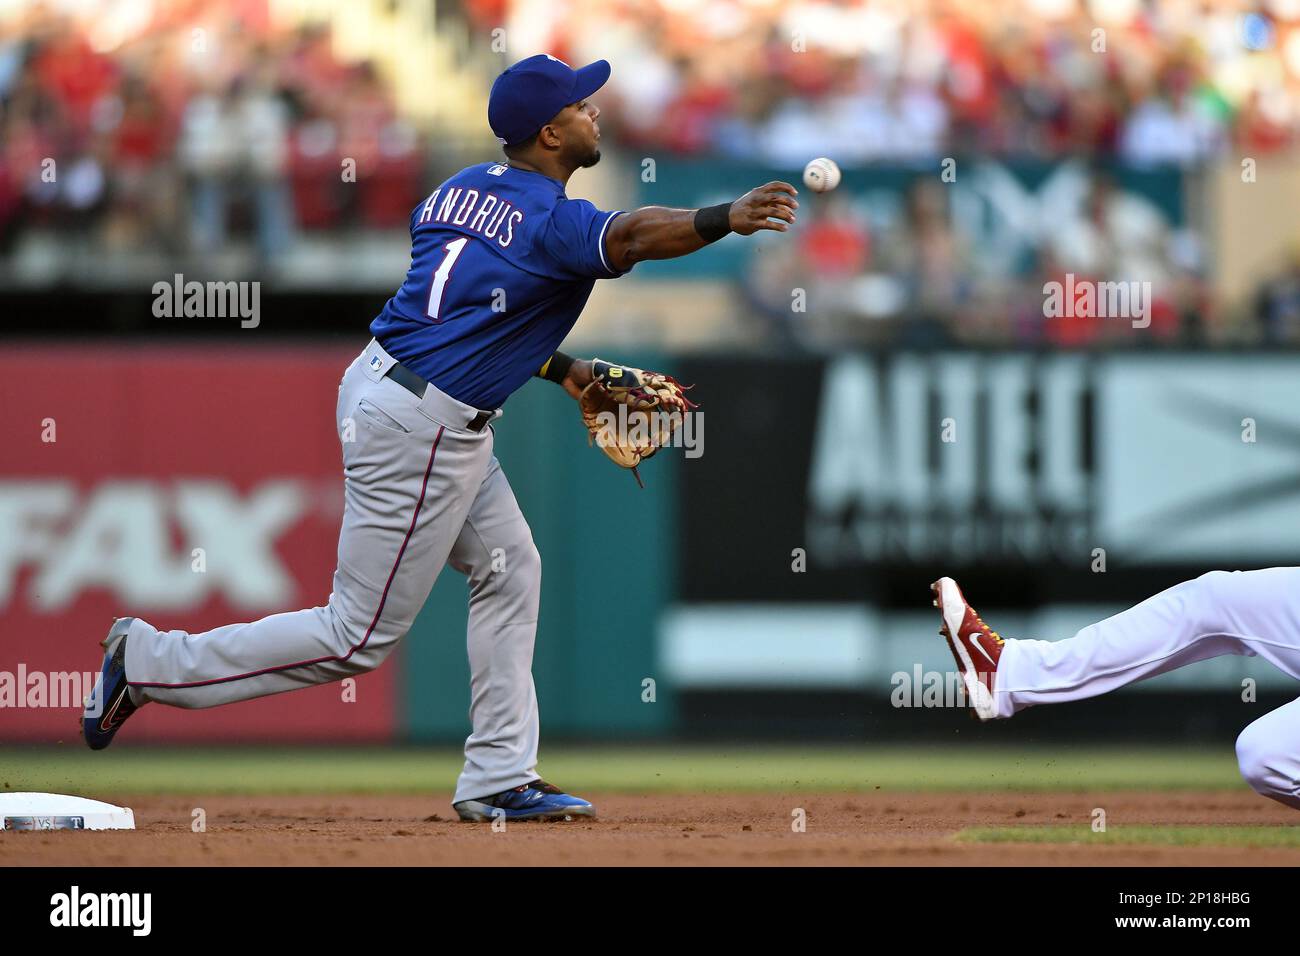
(557, 367)
(713, 222)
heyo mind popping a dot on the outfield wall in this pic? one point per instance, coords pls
(774, 586)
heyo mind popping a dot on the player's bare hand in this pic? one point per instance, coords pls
(770, 206)
(578, 378)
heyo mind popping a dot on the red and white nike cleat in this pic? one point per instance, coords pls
(974, 644)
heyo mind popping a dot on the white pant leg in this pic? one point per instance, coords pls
(409, 482)
(495, 551)
(1268, 753)
(1252, 613)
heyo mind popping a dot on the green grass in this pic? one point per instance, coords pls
(1127, 834)
(628, 769)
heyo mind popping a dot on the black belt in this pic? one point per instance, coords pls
(417, 386)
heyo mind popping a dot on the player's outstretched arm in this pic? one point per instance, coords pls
(657, 232)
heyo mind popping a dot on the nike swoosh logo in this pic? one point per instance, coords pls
(111, 719)
(975, 639)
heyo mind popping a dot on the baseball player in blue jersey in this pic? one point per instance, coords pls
(502, 263)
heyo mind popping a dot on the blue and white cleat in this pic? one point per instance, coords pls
(109, 704)
(533, 801)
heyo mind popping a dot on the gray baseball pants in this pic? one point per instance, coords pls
(420, 491)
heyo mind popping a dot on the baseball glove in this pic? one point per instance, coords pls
(631, 413)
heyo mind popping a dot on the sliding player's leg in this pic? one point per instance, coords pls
(1252, 613)
(1268, 753)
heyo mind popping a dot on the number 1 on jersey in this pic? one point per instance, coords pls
(443, 273)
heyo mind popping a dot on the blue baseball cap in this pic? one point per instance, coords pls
(530, 93)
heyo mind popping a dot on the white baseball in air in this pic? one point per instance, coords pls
(821, 175)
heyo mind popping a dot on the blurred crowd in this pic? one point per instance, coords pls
(1157, 85)
(190, 124)
(1151, 81)
(909, 269)
(188, 127)
(905, 269)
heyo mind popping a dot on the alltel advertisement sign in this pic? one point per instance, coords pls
(194, 487)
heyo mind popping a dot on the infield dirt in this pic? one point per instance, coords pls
(878, 828)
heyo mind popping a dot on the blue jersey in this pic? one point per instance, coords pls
(502, 263)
